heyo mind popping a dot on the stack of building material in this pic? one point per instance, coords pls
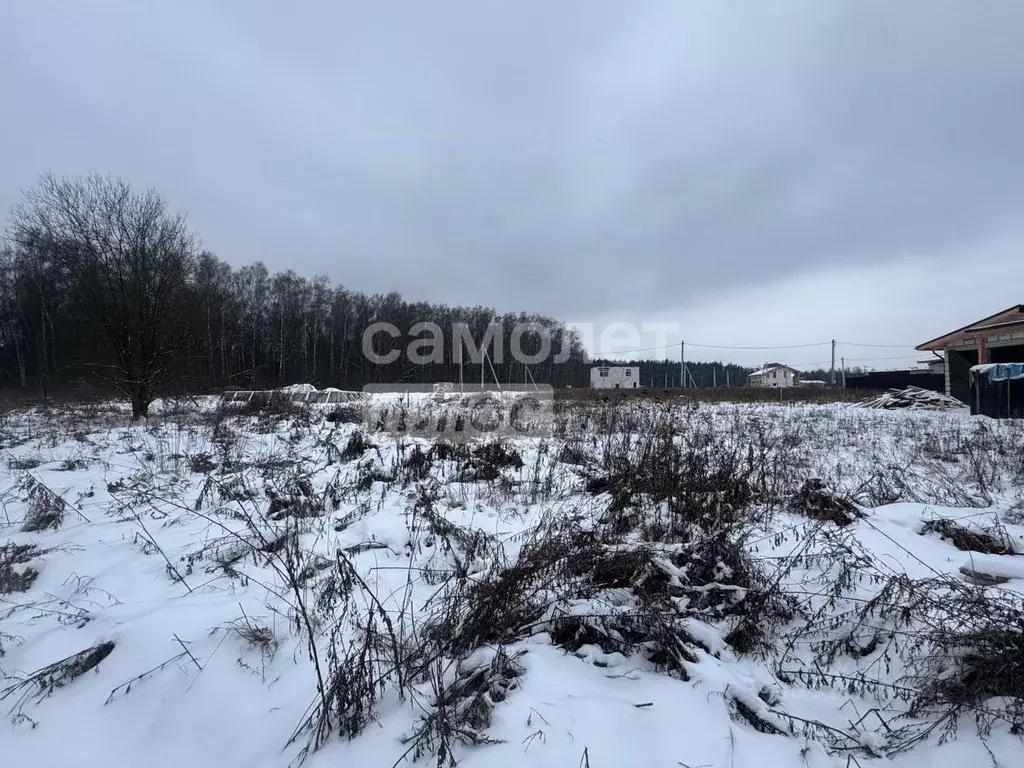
(913, 398)
(294, 395)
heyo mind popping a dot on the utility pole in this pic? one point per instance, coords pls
(832, 375)
(844, 372)
(714, 377)
(682, 363)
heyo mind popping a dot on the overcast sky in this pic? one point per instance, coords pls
(760, 173)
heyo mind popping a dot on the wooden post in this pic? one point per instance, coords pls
(982, 350)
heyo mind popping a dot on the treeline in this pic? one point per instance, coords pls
(105, 287)
(825, 374)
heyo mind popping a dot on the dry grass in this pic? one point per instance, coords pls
(991, 541)
(17, 579)
(43, 682)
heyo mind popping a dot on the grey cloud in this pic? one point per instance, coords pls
(570, 157)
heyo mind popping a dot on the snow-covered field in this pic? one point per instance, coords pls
(654, 585)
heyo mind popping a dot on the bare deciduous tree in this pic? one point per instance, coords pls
(129, 257)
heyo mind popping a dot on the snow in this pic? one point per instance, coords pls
(299, 388)
(139, 561)
(914, 398)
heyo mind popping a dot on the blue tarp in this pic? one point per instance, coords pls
(997, 390)
(999, 371)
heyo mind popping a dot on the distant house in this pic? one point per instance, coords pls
(773, 375)
(615, 377)
(998, 338)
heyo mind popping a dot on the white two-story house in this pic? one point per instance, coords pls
(615, 377)
(773, 375)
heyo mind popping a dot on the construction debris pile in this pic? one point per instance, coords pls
(295, 393)
(913, 398)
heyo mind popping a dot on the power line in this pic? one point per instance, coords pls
(858, 359)
(789, 346)
(672, 345)
(889, 346)
(646, 349)
(894, 357)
